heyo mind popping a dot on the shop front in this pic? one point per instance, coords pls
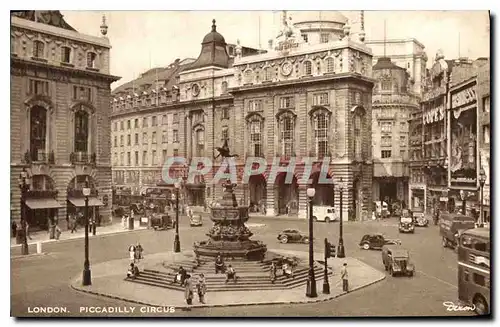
(75, 204)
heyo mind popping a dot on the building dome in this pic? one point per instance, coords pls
(214, 36)
(317, 16)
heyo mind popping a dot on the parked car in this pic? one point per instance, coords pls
(162, 222)
(376, 241)
(451, 225)
(406, 225)
(293, 236)
(196, 220)
(325, 213)
(396, 260)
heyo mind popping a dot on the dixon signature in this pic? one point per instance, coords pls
(450, 306)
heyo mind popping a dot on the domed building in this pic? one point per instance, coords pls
(319, 26)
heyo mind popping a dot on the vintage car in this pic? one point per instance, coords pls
(293, 236)
(451, 225)
(137, 208)
(419, 219)
(376, 241)
(162, 222)
(196, 220)
(396, 260)
(406, 225)
(325, 213)
(381, 209)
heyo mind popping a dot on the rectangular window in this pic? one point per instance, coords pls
(176, 152)
(38, 49)
(122, 158)
(116, 141)
(82, 93)
(144, 158)
(402, 153)
(164, 155)
(153, 158)
(121, 126)
(153, 138)
(402, 125)
(402, 141)
(129, 140)
(144, 138)
(164, 137)
(286, 102)
(137, 158)
(386, 85)
(136, 139)
(486, 104)
(175, 119)
(225, 134)
(121, 140)
(479, 279)
(145, 122)
(136, 123)
(386, 127)
(225, 113)
(386, 141)
(129, 163)
(66, 55)
(37, 87)
(175, 136)
(320, 99)
(255, 105)
(386, 154)
(486, 134)
(324, 38)
(153, 121)
(164, 120)
(115, 126)
(128, 124)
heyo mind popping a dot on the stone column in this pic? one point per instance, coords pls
(270, 212)
(302, 201)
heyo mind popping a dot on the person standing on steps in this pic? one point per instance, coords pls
(345, 278)
(188, 290)
(201, 288)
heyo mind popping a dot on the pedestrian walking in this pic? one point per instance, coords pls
(57, 230)
(131, 251)
(272, 272)
(138, 251)
(13, 227)
(124, 222)
(345, 278)
(188, 290)
(201, 287)
(74, 224)
(27, 231)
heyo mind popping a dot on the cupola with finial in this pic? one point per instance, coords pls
(104, 26)
(213, 51)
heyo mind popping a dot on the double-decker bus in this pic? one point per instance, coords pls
(474, 269)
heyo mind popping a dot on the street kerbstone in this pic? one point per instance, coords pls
(108, 281)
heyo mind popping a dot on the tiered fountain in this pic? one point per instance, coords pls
(229, 236)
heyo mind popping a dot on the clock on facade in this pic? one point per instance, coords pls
(195, 89)
(286, 68)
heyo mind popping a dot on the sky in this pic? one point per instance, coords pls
(145, 39)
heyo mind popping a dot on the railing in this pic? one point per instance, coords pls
(82, 157)
(40, 194)
(37, 156)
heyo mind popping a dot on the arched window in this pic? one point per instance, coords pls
(224, 87)
(91, 58)
(248, 76)
(38, 49)
(307, 68)
(269, 74)
(255, 127)
(287, 129)
(38, 131)
(200, 142)
(81, 131)
(330, 65)
(358, 137)
(321, 134)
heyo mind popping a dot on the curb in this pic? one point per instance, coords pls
(16, 257)
(230, 304)
(79, 238)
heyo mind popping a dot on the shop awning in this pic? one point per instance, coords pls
(80, 202)
(46, 203)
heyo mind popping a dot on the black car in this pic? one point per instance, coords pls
(376, 241)
(292, 236)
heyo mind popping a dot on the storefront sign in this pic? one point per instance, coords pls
(433, 115)
(464, 97)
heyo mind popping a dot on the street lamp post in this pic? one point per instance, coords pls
(341, 249)
(464, 204)
(86, 265)
(311, 281)
(482, 181)
(177, 242)
(24, 186)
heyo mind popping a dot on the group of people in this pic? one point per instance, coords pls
(189, 284)
(135, 252)
(220, 266)
(286, 269)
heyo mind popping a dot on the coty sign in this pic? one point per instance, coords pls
(463, 97)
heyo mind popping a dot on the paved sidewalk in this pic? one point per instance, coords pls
(43, 236)
(108, 281)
